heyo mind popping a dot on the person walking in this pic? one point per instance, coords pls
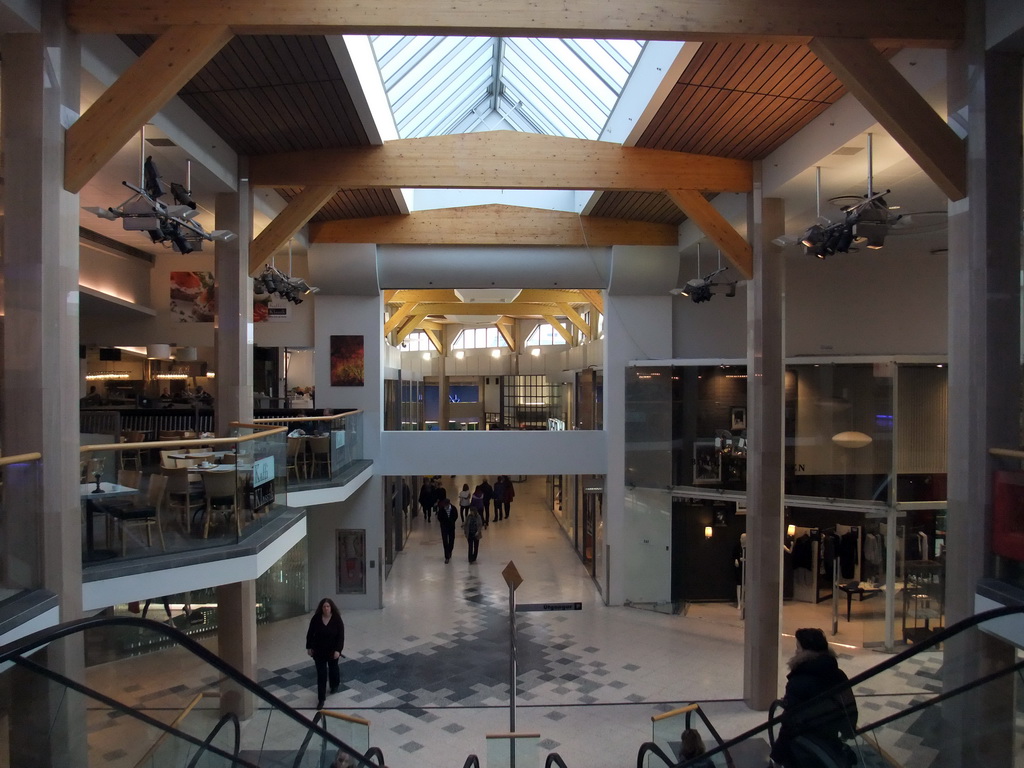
(447, 517)
(488, 494)
(504, 492)
(464, 497)
(440, 493)
(325, 641)
(473, 529)
(426, 499)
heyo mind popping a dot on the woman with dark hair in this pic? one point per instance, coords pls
(824, 722)
(325, 640)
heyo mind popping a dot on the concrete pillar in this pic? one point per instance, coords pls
(443, 408)
(984, 377)
(233, 334)
(40, 250)
(765, 400)
(236, 643)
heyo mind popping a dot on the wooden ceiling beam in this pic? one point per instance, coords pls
(389, 295)
(506, 331)
(399, 316)
(493, 225)
(900, 109)
(418, 295)
(137, 95)
(294, 217)
(924, 23)
(595, 298)
(502, 160)
(432, 335)
(574, 317)
(716, 228)
(411, 325)
(486, 308)
(559, 327)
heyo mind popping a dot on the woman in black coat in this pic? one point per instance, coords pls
(325, 640)
(813, 670)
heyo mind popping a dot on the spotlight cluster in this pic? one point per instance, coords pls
(273, 280)
(866, 222)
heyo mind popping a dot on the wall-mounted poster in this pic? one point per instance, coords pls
(346, 361)
(193, 297)
(351, 564)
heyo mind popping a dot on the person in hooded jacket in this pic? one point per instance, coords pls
(813, 671)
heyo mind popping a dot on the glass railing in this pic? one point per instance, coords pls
(321, 450)
(179, 706)
(669, 729)
(21, 484)
(920, 707)
(151, 497)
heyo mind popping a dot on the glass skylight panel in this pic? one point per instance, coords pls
(558, 87)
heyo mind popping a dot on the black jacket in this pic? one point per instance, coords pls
(828, 718)
(324, 639)
(447, 516)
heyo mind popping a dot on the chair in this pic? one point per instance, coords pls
(170, 434)
(296, 461)
(147, 515)
(221, 489)
(321, 448)
(132, 455)
(166, 462)
(229, 458)
(183, 496)
(129, 478)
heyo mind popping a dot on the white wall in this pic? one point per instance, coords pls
(490, 453)
(363, 511)
(118, 274)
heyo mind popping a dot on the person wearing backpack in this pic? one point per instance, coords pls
(473, 529)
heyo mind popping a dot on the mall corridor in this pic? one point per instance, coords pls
(431, 670)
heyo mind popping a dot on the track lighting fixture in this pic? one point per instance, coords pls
(272, 280)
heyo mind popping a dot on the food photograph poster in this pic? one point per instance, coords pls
(193, 297)
(346, 361)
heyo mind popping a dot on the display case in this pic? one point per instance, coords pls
(923, 590)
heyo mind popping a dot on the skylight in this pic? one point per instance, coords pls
(445, 85)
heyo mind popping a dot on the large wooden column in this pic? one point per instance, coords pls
(765, 397)
(984, 379)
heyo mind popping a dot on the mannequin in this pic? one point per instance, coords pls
(738, 562)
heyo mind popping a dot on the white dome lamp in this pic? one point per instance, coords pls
(851, 439)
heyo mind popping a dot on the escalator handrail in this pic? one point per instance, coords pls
(230, 717)
(45, 636)
(650, 746)
(711, 729)
(126, 710)
(554, 758)
(472, 761)
(941, 636)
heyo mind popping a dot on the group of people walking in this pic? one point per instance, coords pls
(474, 510)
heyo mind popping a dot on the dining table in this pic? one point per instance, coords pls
(93, 505)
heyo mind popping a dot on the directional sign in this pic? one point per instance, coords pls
(549, 607)
(512, 577)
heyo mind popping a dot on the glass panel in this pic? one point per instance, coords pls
(668, 733)
(839, 424)
(509, 751)
(21, 486)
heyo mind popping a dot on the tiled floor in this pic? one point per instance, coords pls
(431, 670)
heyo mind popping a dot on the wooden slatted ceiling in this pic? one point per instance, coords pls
(273, 93)
(738, 100)
(352, 204)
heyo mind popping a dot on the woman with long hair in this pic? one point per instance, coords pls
(325, 641)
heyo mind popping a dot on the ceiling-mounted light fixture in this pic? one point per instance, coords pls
(699, 288)
(164, 223)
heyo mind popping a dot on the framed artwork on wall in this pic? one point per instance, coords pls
(347, 361)
(351, 561)
(738, 422)
(707, 464)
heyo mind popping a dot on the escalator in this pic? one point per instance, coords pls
(178, 707)
(949, 700)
